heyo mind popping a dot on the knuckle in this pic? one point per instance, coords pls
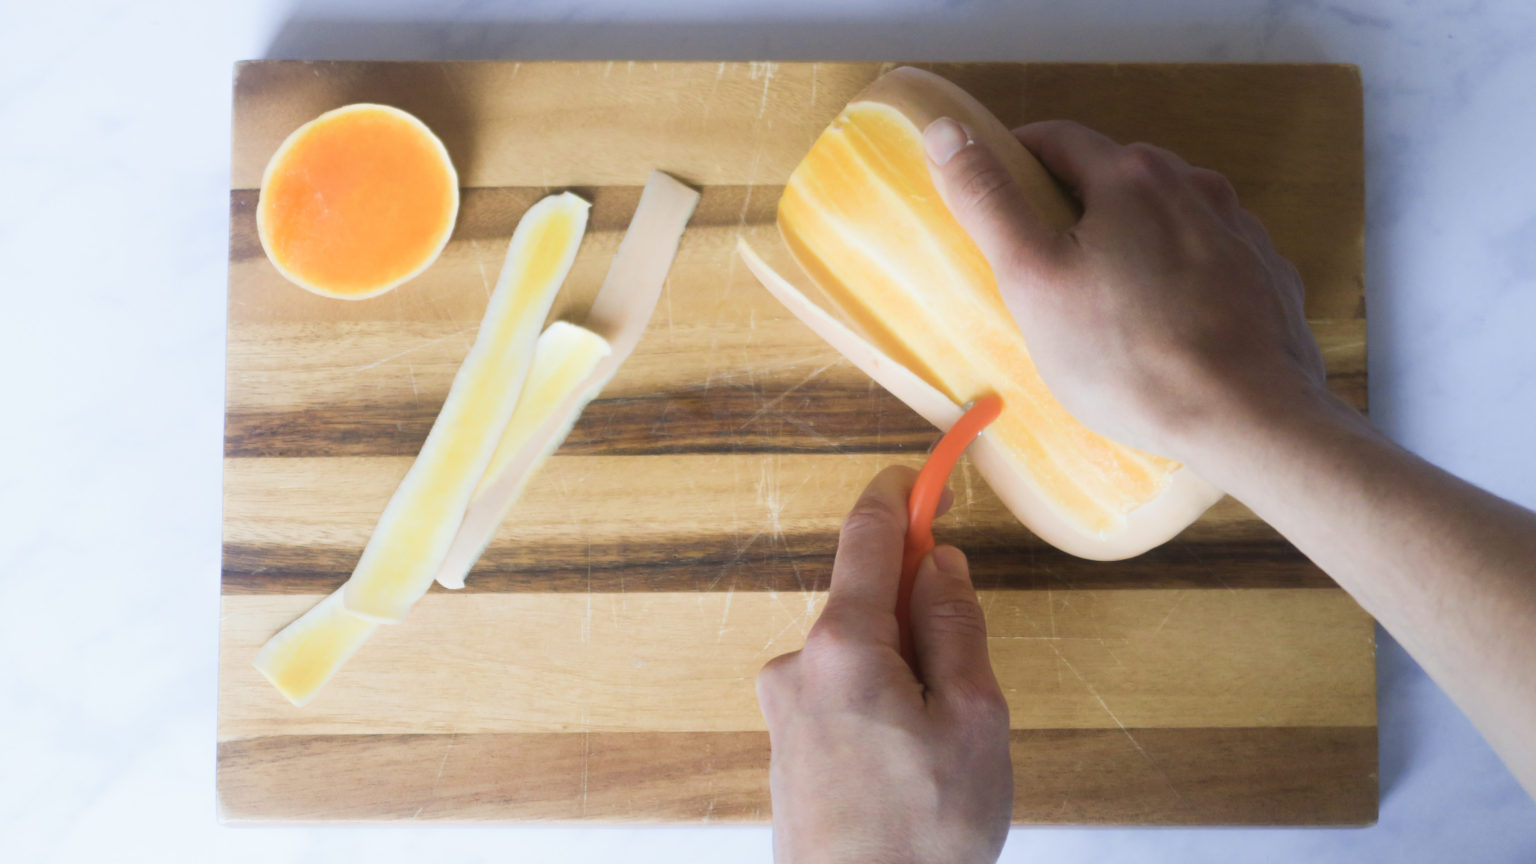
(776, 683)
(831, 635)
(988, 706)
(778, 668)
(1252, 224)
(1143, 162)
(959, 615)
(777, 673)
(872, 515)
(1213, 184)
(986, 185)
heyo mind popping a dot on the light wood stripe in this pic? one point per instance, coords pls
(1237, 776)
(675, 662)
(735, 522)
(334, 503)
(355, 367)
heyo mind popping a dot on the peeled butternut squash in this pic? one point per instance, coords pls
(357, 201)
(861, 217)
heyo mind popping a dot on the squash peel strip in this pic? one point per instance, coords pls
(565, 357)
(620, 313)
(418, 525)
(306, 654)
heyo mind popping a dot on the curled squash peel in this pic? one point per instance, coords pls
(861, 217)
(357, 201)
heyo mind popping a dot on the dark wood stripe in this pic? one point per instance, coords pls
(1226, 776)
(717, 419)
(825, 418)
(492, 213)
(1238, 776)
(787, 563)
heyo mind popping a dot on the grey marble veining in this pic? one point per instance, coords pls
(114, 135)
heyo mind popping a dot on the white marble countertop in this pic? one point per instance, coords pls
(114, 142)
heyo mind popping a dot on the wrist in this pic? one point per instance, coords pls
(1244, 439)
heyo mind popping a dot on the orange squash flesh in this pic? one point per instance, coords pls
(861, 216)
(357, 201)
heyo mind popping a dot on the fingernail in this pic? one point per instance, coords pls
(943, 139)
(928, 567)
(948, 559)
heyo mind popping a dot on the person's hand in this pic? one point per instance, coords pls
(1164, 316)
(871, 763)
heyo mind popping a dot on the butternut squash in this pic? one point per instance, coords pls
(357, 201)
(861, 217)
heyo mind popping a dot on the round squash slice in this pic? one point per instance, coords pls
(357, 201)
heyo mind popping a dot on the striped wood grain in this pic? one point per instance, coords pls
(600, 664)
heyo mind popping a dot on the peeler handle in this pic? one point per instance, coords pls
(923, 504)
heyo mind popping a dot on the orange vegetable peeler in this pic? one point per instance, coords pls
(923, 504)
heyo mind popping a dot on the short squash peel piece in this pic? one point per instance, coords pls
(862, 218)
(306, 654)
(414, 533)
(357, 201)
(303, 656)
(563, 360)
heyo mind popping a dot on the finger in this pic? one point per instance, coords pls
(979, 191)
(867, 567)
(775, 685)
(1167, 156)
(1217, 190)
(949, 630)
(1252, 226)
(946, 501)
(1075, 154)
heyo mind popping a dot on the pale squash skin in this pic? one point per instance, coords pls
(922, 97)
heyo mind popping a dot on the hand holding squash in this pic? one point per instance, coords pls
(1164, 315)
(1164, 318)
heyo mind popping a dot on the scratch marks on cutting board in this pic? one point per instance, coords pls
(453, 738)
(725, 613)
(1147, 757)
(709, 100)
(769, 405)
(1177, 599)
(485, 281)
(586, 622)
(413, 349)
(767, 71)
(586, 761)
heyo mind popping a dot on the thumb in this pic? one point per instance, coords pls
(983, 197)
(949, 630)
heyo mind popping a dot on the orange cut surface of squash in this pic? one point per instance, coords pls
(357, 201)
(862, 217)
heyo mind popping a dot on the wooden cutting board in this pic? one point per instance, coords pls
(600, 665)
